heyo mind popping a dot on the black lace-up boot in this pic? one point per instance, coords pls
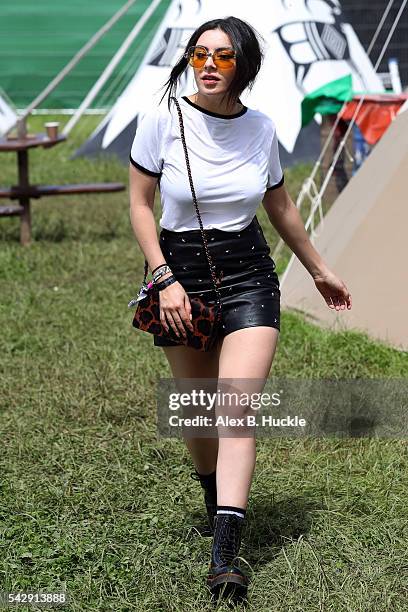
(209, 484)
(225, 574)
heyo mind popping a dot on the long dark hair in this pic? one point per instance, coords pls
(245, 40)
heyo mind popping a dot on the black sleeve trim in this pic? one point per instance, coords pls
(145, 170)
(277, 184)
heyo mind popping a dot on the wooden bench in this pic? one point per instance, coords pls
(24, 191)
(11, 211)
(24, 194)
(38, 191)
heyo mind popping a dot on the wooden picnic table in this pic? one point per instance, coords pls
(24, 191)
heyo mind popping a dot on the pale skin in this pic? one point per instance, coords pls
(243, 354)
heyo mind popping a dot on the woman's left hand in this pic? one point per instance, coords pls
(333, 290)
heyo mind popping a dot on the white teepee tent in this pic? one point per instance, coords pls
(307, 45)
(363, 240)
(8, 116)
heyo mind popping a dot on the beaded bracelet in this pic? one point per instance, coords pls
(166, 283)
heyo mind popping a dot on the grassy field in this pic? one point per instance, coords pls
(91, 499)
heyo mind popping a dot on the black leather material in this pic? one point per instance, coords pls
(250, 293)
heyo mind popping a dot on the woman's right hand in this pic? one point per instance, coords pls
(175, 308)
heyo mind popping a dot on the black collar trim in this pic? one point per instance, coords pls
(207, 112)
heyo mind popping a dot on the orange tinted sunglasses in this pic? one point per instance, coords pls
(224, 57)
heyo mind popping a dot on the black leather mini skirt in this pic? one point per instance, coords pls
(249, 288)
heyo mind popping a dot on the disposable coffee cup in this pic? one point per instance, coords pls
(52, 129)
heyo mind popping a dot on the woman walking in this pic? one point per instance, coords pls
(235, 165)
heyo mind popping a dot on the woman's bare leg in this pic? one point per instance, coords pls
(246, 353)
(187, 362)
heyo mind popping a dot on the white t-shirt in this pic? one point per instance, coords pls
(234, 159)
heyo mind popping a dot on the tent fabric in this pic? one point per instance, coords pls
(328, 99)
(8, 116)
(363, 240)
(375, 114)
(307, 46)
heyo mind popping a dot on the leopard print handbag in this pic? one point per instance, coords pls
(147, 318)
(206, 316)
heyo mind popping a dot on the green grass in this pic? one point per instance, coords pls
(92, 500)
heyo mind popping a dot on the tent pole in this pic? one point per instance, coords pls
(110, 68)
(74, 61)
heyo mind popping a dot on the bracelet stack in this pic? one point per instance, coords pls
(161, 271)
(161, 265)
(168, 281)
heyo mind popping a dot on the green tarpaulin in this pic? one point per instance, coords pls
(39, 37)
(328, 99)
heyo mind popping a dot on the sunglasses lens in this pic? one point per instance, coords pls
(224, 59)
(197, 57)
